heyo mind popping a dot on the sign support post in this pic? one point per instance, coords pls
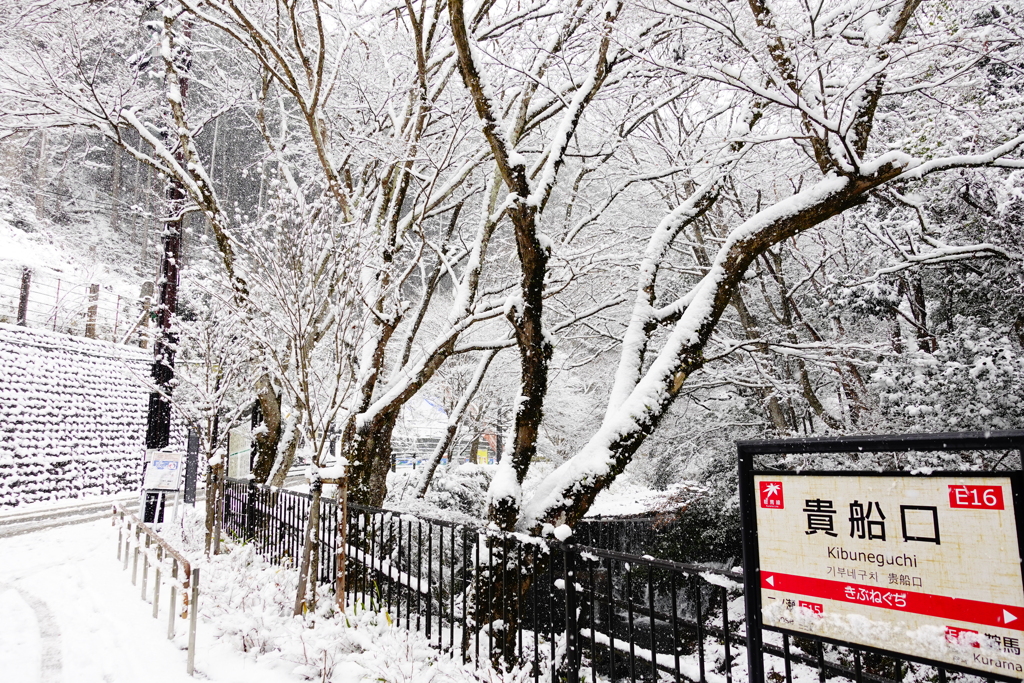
(752, 598)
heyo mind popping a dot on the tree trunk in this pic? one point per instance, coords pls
(115, 190)
(310, 547)
(766, 395)
(454, 421)
(158, 424)
(563, 498)
(40, 179)
(368, 451)
(919, 308)
(214, 505)
(496, 599)
(267, 440)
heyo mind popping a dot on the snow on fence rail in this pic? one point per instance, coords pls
(135, 539)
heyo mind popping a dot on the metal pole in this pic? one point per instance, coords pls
(156, 582)
(751, 574)
(174, 595)
(192, 622)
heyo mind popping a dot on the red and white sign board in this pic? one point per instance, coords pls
(927, 566)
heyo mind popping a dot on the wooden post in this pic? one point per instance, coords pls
(90, 325)
(26, 283)
(120, 533)
(135, 558)
(127, 545)
(147, 303)
(117, 318)
(56, 306)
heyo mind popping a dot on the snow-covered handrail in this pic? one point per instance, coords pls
(166, 561)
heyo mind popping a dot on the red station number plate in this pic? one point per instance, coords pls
(976, 497)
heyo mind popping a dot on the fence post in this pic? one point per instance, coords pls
(147, 302)
(751, 576)
(26, 284)
(250, 516)
(90, 324)
(145, 567)
(173, 598)
(117, 315)
(156, 581)
(56, 305)
(192, 622)
(572, 658)
(341, 558)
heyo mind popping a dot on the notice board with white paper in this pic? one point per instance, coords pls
(163, 471)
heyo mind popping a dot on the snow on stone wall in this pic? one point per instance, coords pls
(72, 416)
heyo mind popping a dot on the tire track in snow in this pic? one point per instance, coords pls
(50, 662)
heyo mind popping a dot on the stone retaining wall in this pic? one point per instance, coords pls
(72, 416)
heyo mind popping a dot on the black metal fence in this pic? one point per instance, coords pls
(274, 521)
(588, 613)
(562, 610)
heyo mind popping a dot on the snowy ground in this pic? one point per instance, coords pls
(70, 614)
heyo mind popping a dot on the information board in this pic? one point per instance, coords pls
(163, 471)
(239, 452)
(926, 566)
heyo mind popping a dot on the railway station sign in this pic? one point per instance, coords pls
(928, 566)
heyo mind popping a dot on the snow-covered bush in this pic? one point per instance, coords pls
(456, 490)
(971, 382)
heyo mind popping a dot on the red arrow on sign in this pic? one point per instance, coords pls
(941, 606)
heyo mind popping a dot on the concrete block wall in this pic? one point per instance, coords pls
(72, 416)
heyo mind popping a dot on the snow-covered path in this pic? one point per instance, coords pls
(69, 614)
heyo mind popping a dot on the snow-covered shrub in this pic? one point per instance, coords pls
(456, 492)
(246, 603)
(972, 382)
(462, 488)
